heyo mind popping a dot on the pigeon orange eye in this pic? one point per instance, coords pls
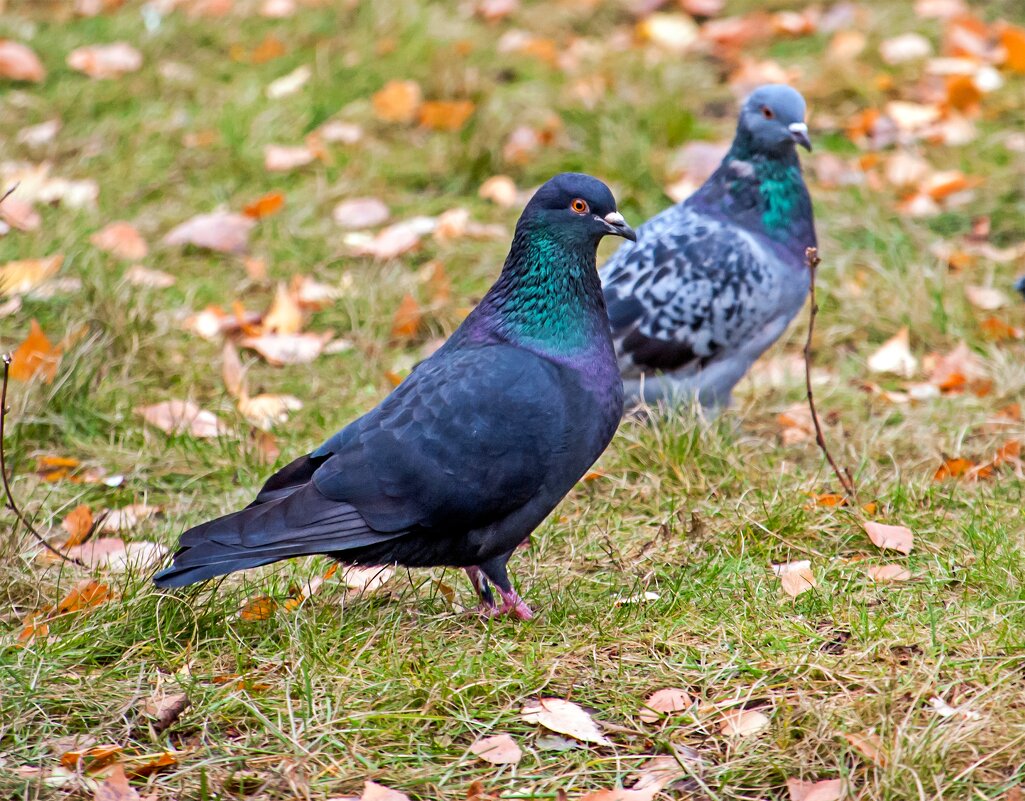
(767, 113)
(579, 205)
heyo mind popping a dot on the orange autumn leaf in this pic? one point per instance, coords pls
(445, 115)
(996, 329)
(259, 608)
(962, 94)
(284, 316)
(397, 101)
(20, 63)
(1012, 38)
(952, 468)
(90, 759)
(35, 355)
(1010, 451)
(268, 50)
(78, 523)
(84, 595)
(265, 206)
(830, 499)
(406, 321)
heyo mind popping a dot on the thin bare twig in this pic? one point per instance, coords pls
(3, 470)
(9, 192)
(811, 256)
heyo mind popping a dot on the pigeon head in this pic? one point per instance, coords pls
(772, 120)
(575, 209)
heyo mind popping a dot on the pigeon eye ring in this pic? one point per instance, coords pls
(767, 113)
(579, 205)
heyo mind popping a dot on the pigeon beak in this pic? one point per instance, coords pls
(799, 133)
(617, 226)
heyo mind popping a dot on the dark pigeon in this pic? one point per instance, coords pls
(712, 282)
(473, 450)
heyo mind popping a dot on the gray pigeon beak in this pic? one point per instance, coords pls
(617, 226)
(799, 133)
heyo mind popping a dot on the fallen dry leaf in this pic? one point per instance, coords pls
(232, 371)
(398, 101)
(905, 47)
(664, 702)
(289, 84)
(19, 277)
(105, 61)
(86, 594)
(182, 417)
(868, 745)
(363, 580)
(393, 241)
(137, 275)
(895, 538)
(20, 63)
(825, 790)
(111, 553)
(894, 356)
(882, 573)
(115, 786)
(564, 717)
(126, 518)
(407, 318)
(500, 190)
(286, 349)
(445, 115)
(360, 212)
(261, 607)
(499, 749)
(122, 240)
(284, 158)
(165, 709)
(265, 411)
(223, 231)
(742, 722)
(372, 791)
(986, 298)
(675, 33)
(952, 468)
(19, 214)
(77, 523)
(284, 316)
(265, 205)
(956, 370)
(796, 577)
(36, 355)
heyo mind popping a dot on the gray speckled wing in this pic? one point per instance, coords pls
(698, 299)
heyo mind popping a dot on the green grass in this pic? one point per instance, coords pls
(396, 686)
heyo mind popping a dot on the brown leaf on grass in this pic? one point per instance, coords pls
(289, 84)
(905, 47)
(742, 722)
(398, 101)
(86, 594)
(996, 329)
(1012, 39)
(894, 356)
(830, 499)
(796, 577)
(265, 410)
(364, 580)
(284, 316)
(111, 553)
(116, 787)
(957, 370)
(664, 702)
(266, 447)
(564, 717)
(36, 355)
(105, 61)
(445, 115)
(265, 206)
(262, 607)
(314, 295)
(869, 746)
(142, 766)
(92, 758)
(232, 371)
(126, 518)
(19, 277)
(673, 32)
(825, 790)
(137, 275)
(19, 214)
(390, 242)
(499, 749)
(165, 709)
(887, 537)
(77, 523)
(182, 417)
(884, 573)
(372, 791)
(360, 212)
(691, 166)
(952, 468)
(20, 63)
(407, 319)
(222, 231)
(122, 240)
(286, 349)
(500, 190)
(284, 158)
(986, 298)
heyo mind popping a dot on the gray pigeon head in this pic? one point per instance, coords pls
(772, 118)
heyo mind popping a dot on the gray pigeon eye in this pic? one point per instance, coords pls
(767, 113)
